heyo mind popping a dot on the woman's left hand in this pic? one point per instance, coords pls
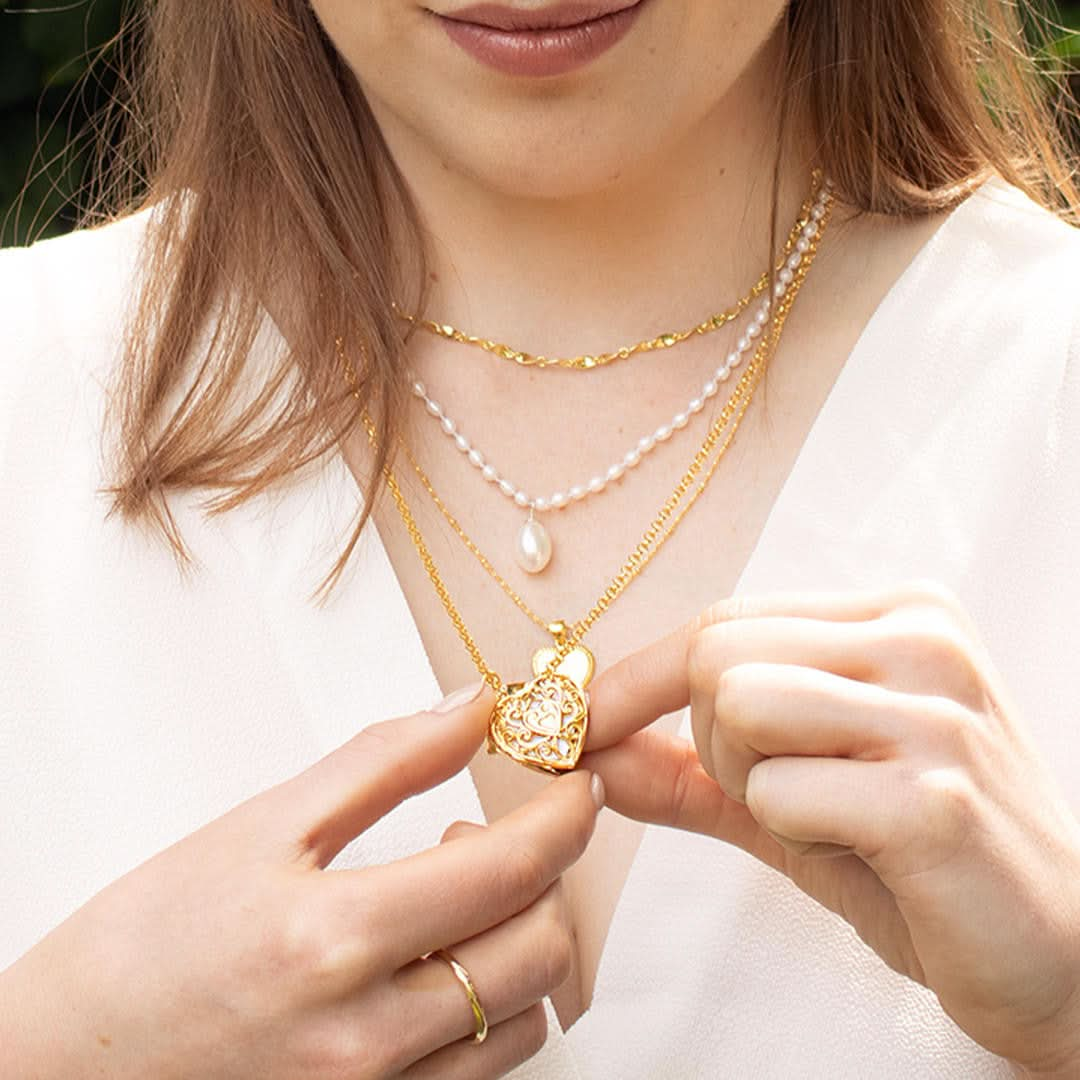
(863, 745)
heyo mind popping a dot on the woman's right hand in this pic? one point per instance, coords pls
(233, 954)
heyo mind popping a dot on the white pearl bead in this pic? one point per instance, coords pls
(779, 289)
(818, 212)
(507, 488)
(433, 408)
(810, 230)
(743, 344)
(577, 493)
(419, 389)
(533, 547)
(540, 505)
(489, 474)
(733, 359)
(761, 317)
(711, 388)
(722, 372)
(521, 499)
(680, 420)
(802, 245)
(696, 405)
(476, 458)
(448, 425)
(559, 500)
(794, 259)
(646, 444)
(632, 459)
(597, 484)
(786, 276)
(753, 331)
(663, 433)
(462, 443)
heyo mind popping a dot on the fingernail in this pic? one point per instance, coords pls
(596, 786)
(459, 698)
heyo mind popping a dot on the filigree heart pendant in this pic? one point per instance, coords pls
(542, 724)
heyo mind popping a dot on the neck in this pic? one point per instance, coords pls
(657, 248)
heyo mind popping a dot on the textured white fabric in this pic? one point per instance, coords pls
(136, 704)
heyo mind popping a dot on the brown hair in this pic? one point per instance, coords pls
(248, 104)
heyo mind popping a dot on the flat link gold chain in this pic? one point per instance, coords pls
(588, 362)
(663, 525)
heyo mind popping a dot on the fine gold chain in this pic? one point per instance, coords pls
(656, 535)
(587, 362)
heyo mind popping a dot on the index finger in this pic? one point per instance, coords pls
(655, 680)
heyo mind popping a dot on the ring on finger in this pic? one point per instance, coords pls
(465, 979)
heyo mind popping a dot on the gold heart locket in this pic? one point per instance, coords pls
(542, 723)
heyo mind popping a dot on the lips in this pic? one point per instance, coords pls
(555, 17)
(548, 41)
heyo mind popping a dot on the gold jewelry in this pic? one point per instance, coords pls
(594, 360)
(534, 545)
(463, 977)
(543, 723)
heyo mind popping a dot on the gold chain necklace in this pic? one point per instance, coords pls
(543, 723)
(589, 361)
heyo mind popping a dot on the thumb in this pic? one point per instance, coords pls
(346, 792)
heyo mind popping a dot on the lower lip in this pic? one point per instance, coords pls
(541, 52)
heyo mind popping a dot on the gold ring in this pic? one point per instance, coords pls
(464, 978)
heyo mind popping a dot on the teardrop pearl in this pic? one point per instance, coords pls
(533, 547)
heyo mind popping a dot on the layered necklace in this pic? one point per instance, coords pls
(534, 546)
(542, 722)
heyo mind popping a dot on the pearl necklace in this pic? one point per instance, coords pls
(534, 547)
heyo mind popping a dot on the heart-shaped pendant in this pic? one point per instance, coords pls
(578, 664)
(541, 724)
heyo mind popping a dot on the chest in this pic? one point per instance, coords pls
(700, 561)
(548, 434)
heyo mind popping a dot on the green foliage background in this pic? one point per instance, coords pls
(44, 47)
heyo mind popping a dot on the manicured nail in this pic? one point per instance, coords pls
(596, 786)
(459, 698)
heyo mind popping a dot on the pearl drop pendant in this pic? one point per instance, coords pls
(533, 547)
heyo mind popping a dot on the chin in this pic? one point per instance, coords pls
(570, 135)
(565, 147)
(553, 170)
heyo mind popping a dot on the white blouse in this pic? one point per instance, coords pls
(136, 703)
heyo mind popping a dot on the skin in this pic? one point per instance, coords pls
(595, 161)
(306, 974)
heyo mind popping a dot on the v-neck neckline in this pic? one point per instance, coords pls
(829, 415)
(833, 403)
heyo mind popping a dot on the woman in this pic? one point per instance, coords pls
(840, 663)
